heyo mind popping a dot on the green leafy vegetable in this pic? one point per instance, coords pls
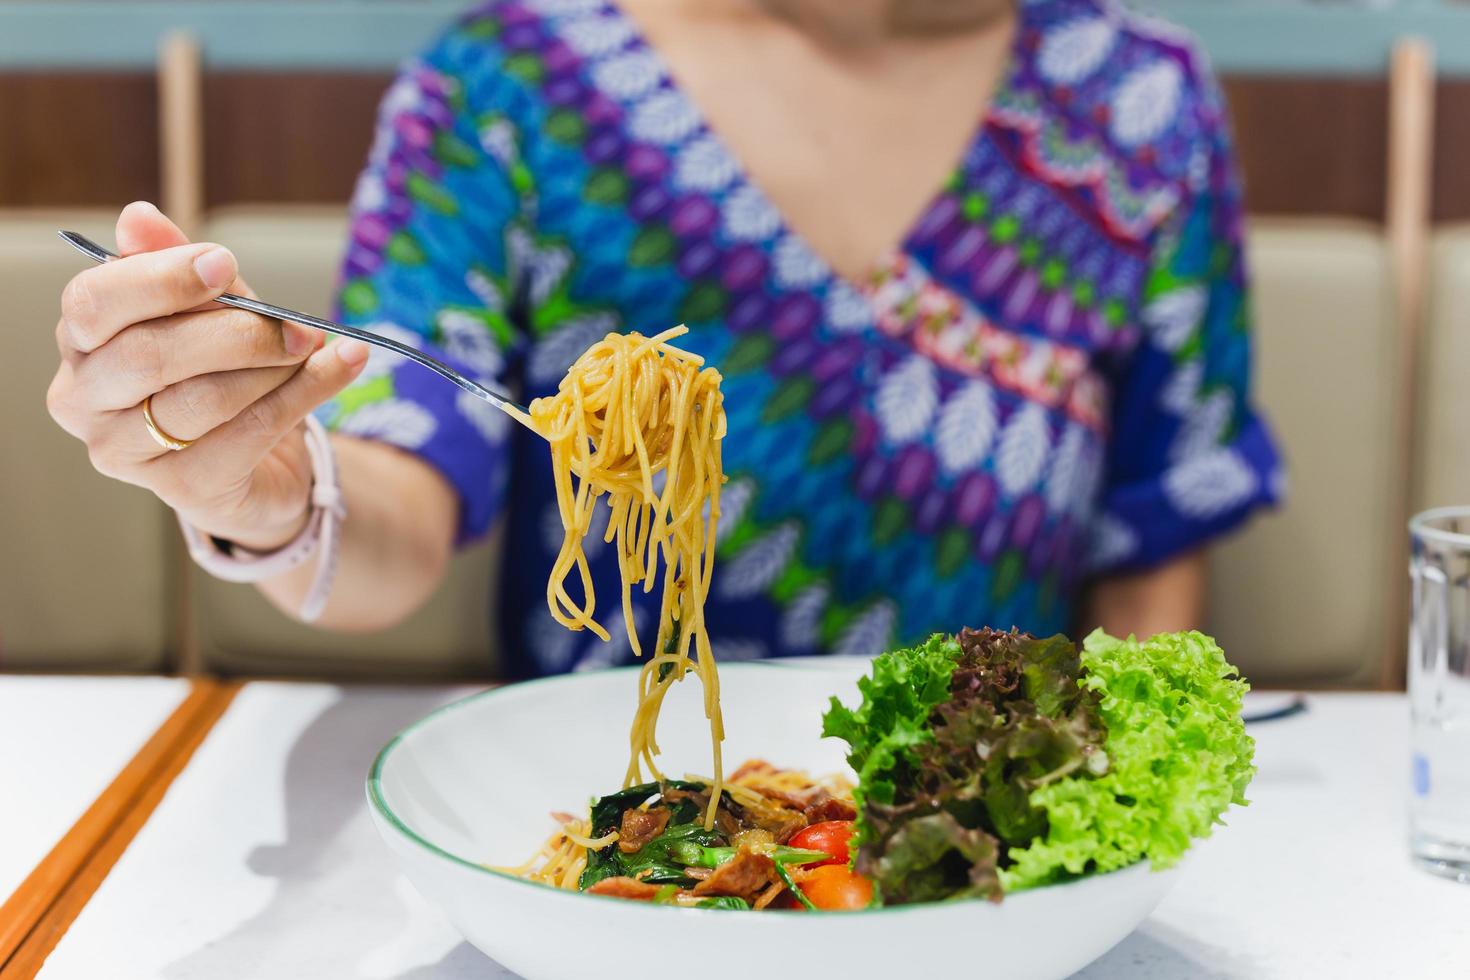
(791, 886)
(723, 902)
(886, 730)
(934, 857)
(993, 761)
(653, 857)
(1178, 757)
(692, 854)
(935, 816)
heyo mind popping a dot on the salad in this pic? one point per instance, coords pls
(987, 762)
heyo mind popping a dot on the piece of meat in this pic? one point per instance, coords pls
(641, 826)
(638, 891)
(745, 876)
(780, 821)
(830, 808)
(782, 798)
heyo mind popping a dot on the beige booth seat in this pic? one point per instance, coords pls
(289, 256)
(87, 579)
(1442, 476)
(1301, 597)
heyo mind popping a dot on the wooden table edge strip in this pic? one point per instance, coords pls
(33, 920)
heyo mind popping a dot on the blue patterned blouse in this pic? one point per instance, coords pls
(1048, 380)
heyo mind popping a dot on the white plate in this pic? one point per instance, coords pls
(473, 784)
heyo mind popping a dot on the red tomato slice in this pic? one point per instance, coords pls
(829, 837)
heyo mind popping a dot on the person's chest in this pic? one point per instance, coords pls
(849, 145)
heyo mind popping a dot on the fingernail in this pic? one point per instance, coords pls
(352, 352)
(299, 340)
(215, 268)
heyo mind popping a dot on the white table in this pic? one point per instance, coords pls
(62, 741)
(261, 862)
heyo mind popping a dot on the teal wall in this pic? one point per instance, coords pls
(1242, 36)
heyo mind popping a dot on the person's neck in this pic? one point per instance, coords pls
(863, 23)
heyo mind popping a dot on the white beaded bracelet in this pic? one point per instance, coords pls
(322, 531)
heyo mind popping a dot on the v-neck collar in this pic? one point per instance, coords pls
(638, 42)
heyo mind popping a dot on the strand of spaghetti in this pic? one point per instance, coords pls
(630, 407)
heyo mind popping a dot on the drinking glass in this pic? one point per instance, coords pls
(1439, 691)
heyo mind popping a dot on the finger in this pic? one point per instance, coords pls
(141, 227)
(100, 301)
(148, 357)
(241, 443)
(187, 411)
(63, 405)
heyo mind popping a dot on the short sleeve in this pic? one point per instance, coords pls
(426, 263)
(1189, 457)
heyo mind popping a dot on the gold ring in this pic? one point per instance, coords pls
(156, 431)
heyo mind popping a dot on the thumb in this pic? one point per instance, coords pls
(141, 227)
(241, 443)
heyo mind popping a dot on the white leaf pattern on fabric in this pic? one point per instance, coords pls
(1145, 102)
(797, 266)
(381, 362)
(400, 423)
(737, 651)
(801, 622)
(563, 8)
(1112, 542)
(617, 649)
(748, 216)
(1173, 317)
(549, 359)
(848, 311)
(704, 165)
(759, 564)
(966, 427)
(544, 267)
(667, 116)
(1209, 485)
(1024, 445)
(1071, 52)
(370, 193)
(467, 339)
(552, 533)
(498, 139)
(1063, 481)
(1089, 479)
(1204, 427)
(597, 35)
(906, 399)
(628, 76)
(735, 497)
(1181, 390)
(868, 635)
(485, 290)
(488, 420)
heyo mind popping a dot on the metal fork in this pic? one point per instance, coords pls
(97, 253)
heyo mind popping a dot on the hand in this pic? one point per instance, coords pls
(238, 384)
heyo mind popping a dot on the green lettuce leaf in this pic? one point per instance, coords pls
(1177, 752)
(885, 731)
(949, 742)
